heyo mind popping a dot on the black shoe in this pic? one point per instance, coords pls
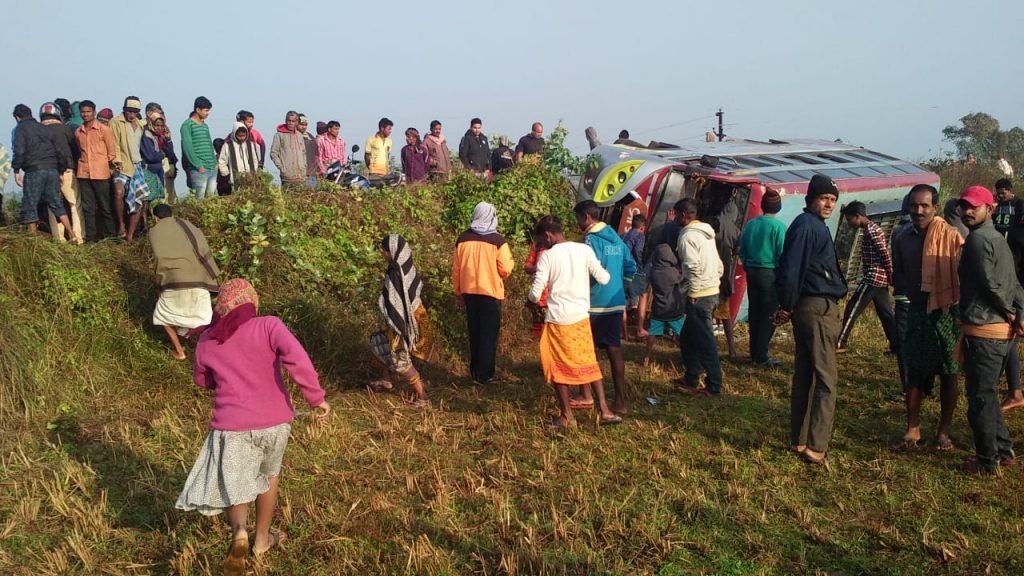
(769, 363)
(899, 396)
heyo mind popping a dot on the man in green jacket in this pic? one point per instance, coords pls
(760, 248)
(197, 146)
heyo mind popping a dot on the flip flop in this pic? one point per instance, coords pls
(905, 444)
(610, 421)
(581, 404)
(811, 459)
(234, 564)
(381, 386)
(276, 539)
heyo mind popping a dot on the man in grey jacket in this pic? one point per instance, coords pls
(702, 272)
(288, 152)
(991, 304)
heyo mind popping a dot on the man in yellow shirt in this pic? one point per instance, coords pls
(378, 149)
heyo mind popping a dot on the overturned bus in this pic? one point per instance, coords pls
(629, 179)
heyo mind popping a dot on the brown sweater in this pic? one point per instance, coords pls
(183, 258)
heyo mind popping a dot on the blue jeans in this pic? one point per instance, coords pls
(204, 184)
(698, 346)
(41, 185)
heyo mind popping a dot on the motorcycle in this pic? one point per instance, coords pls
(347, 175)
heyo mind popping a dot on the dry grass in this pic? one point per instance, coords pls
(99, 429)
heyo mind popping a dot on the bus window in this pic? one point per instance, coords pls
(865, 171)
(804, 159)
(837, 173)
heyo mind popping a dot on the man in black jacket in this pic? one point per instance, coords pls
(37, 152)
(991, 305)
(810, 285)
(50, 117)
(474, 151)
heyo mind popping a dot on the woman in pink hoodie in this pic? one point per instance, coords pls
(239, 358)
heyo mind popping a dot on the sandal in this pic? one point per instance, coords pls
(905, 443)
(276, 539)
(610, 421)
(581, 404)
(234, 564)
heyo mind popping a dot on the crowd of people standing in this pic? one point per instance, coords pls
(92, 175)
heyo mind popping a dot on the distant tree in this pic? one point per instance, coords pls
(979, 134)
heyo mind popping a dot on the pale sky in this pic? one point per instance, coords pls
(888, 75)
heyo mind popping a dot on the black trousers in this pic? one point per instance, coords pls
(762, 303)
(483, 320)
(97, 201)
(866, 294)
(983, 361)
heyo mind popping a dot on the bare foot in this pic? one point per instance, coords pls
(560, 424)
(274, 539)
(619, 409)
(178, 355)
(798, 448)
(943, 443)
(1014, 401)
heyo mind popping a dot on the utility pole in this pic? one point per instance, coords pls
(721, 133)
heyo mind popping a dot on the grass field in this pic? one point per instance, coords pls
(99, 427)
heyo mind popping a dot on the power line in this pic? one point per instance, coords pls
(676, 125)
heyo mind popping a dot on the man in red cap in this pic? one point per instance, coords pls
(991, 304)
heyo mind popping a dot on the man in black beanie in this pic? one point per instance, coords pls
(810, 285)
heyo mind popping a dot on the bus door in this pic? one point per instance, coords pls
(724, 201)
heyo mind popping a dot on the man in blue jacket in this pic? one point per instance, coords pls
(607, 302)
(810, 285)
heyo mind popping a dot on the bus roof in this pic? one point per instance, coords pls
(793, 160)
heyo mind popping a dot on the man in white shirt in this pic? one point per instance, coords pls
(566, 346)
(1004, 166)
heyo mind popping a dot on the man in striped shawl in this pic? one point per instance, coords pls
(239, 157)
(408, 332)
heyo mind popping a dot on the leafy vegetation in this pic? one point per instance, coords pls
(99, 426)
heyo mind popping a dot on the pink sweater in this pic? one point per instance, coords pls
(245, 375)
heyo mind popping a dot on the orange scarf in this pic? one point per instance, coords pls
(940, 277)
